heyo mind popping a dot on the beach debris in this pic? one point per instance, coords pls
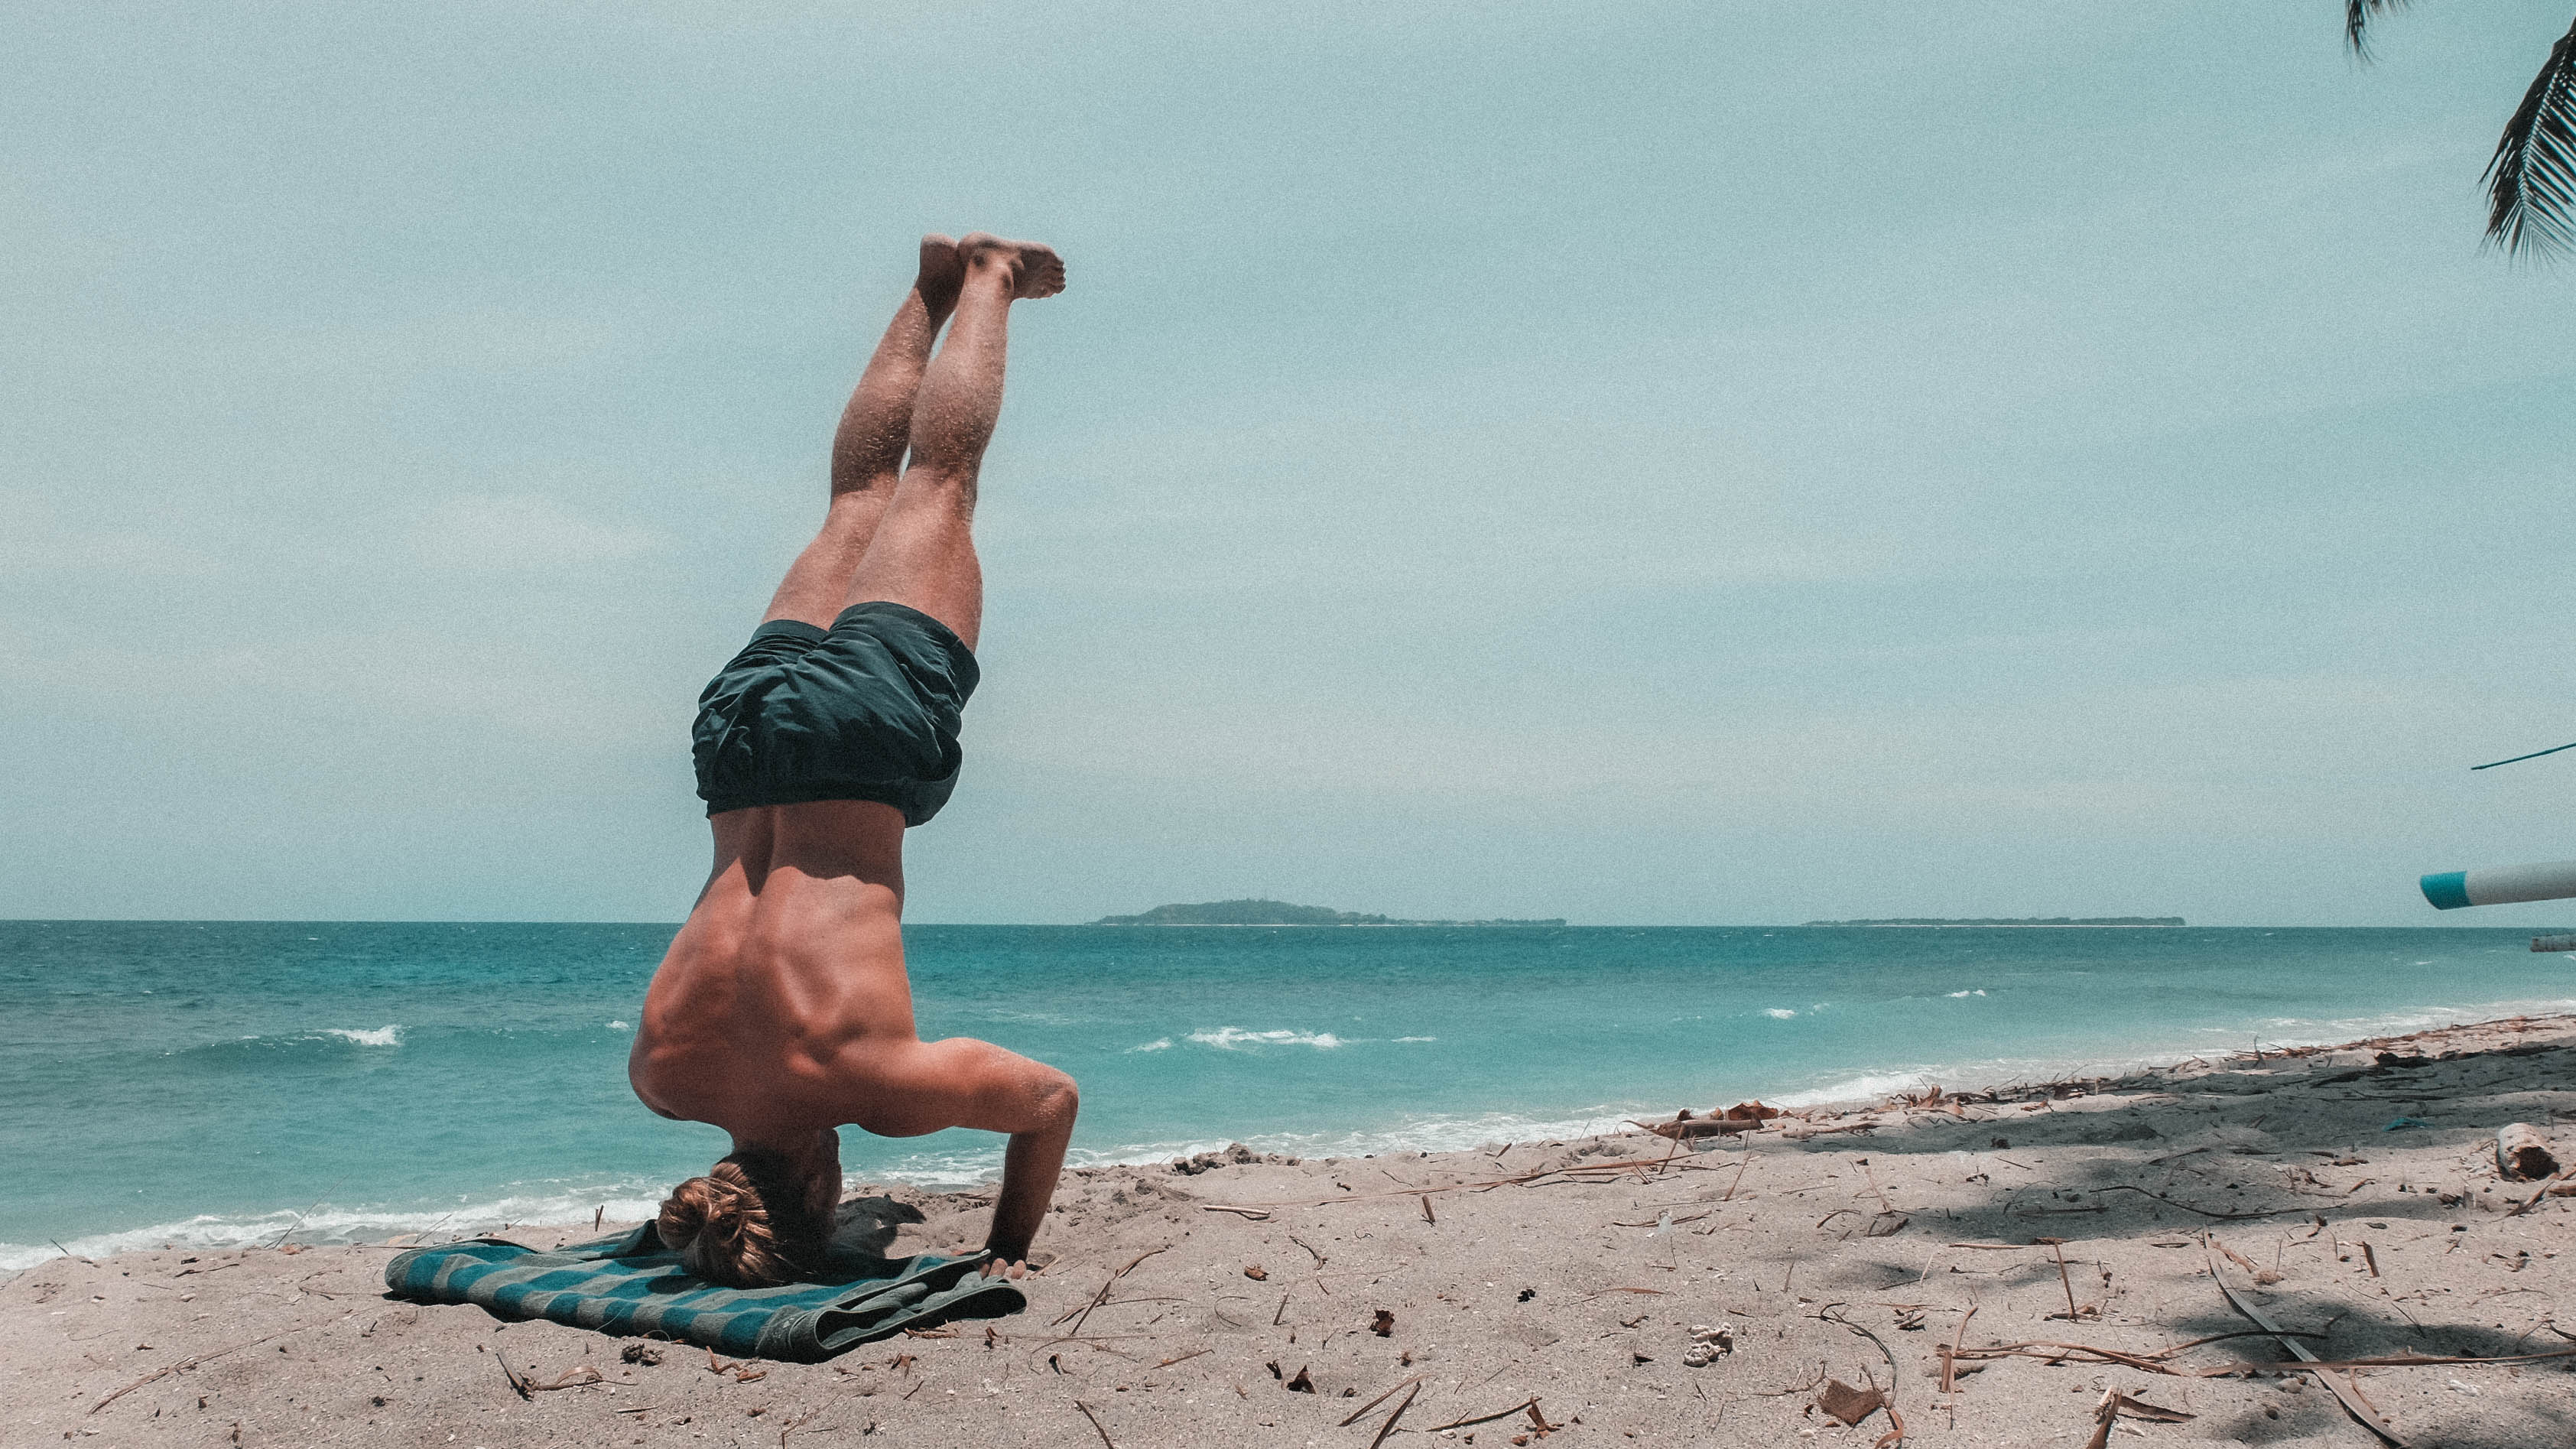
(1742, 1117)
(2115, 1406)
(1950, 1369)
(1382, 1325)
(2067, 1281)
(643, 1353)
(1080, 1315)
(1235, 1155)
(1427, 1217)
(1708, 1341)
(1398, 1387)
(185, 1364)
(2400, 1124)
(1252, 1214)
(2350, 1398)
(528, 1388)
(1301, 1384)
(1847, 1405)
(1255, 1272)
(1095, 1424)
(2522, 1154)
(2563, 1185)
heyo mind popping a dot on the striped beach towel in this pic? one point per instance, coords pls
(631, 1284)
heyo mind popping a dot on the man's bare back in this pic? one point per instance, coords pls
(782, 1011)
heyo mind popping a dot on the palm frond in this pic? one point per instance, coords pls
(2356, 22)
(2531, 182)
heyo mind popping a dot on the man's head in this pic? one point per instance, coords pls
(752, 1222)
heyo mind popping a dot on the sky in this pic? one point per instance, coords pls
(1661, 464)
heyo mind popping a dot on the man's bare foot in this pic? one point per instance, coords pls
(1036, 271)
(1000, 1268)
(943, 273)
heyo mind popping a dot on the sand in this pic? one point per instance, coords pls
(1827, 1254)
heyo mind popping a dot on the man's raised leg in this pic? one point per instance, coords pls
(923, 554)
(867, 451)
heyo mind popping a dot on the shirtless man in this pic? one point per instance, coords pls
(782, 1010)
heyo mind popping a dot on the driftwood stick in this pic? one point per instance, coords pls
(1095, 1424)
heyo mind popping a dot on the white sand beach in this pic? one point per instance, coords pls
(1541, 1291)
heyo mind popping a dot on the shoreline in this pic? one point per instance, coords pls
(1842, 1087)
(1846, 1239)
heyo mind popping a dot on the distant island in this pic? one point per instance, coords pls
(2013, 921)
(1280, 913)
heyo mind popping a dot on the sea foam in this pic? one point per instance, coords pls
(1230, 1038)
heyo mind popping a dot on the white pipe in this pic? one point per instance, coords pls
(2501, 885)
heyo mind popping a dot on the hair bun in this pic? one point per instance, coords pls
(741, 1225)
(692, 1208)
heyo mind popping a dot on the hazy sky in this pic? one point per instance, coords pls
(1672, 463)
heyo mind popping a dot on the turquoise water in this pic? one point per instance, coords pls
(209, 1083)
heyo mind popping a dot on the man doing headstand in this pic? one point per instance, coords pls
(782, 1010)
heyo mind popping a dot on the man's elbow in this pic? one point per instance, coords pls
(1057, 1099)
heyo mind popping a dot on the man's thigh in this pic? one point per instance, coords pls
(960, 1082)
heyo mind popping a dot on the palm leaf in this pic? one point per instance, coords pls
(2531, 182)
(2356, 22)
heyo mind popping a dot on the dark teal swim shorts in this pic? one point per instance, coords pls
(866, 710)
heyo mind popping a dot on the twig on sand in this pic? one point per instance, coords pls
(193, 1360)
(2533, 1201)
(1360, 1412)
(1095, 1424)
(1949, 1359)
(1389, 1426)
(2408, 1360)
(579, 1376)
(1253, 1213)
(1529, 1406)
(2204, 1212)
(2058, 1246)
(1103, 1295)
(2351, 1399)
(1183, 1357)
(1887, 1396)
(2156, 1362)
(1739, 1175)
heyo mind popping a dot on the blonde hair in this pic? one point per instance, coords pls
(744, 1225)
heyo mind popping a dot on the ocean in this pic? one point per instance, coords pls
(221, 1083)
